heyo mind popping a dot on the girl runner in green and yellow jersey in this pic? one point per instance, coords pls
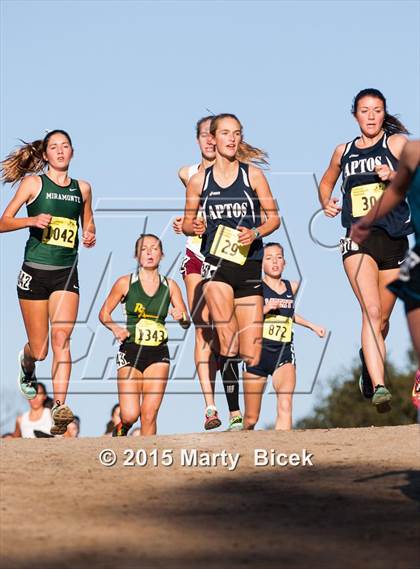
(143, 357)
(48, 287)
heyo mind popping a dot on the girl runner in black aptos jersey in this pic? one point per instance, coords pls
(367, 165)
(233, 194)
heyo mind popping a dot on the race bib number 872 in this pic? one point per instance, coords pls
(278, 328)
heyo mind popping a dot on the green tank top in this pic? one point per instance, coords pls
(57, 244)
(146, 314)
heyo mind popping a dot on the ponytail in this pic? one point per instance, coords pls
(27, 159)
(251, 155)
(246, 153)
(392, 125)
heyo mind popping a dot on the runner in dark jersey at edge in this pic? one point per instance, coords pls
(407, 286)
(232, 193)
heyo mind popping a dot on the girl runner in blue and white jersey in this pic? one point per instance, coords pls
(278, 353)
(233, 194)
(367, 165)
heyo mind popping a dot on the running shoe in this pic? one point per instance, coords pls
(26, 380)
(212, 420)
(61, 416)
(236, 423)
(415, 394)
(365, 383)
(121, 430)
(381, 395)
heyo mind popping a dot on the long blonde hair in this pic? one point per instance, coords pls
(246, 153)
(27, 159)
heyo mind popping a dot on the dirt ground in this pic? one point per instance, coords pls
(356, 507)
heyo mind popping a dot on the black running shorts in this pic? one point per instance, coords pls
(141, 357)
(388, 252)
(39, 284)
(272, 360)
(244, 279)
(407, 286)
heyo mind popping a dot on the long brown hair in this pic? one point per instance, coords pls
(27, 159)
(246, 152)
(391, 125)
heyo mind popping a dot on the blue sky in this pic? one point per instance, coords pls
(128, 80)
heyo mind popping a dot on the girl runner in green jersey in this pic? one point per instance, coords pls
(48, 287)
(143, 357)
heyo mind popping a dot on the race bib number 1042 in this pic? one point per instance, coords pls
(61, 231)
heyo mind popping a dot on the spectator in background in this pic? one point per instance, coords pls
(38, 417)
(115, 419)
(73, 429)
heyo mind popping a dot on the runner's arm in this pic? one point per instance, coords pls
(26, 192)
(328, 182)
(88, 223)
(267, 202)
(118, 292)
(183, 175)
(192, 204)
(179, 311)
(394, 193)
(319, 330)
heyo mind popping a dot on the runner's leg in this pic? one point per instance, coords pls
(155, 378)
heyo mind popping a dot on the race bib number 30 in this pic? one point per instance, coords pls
(61, 231)
(150, 333)
(278, 328)
(226, 245)
(363, 198)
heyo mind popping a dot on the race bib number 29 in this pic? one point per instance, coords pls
(61, 231)
(226, 245)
